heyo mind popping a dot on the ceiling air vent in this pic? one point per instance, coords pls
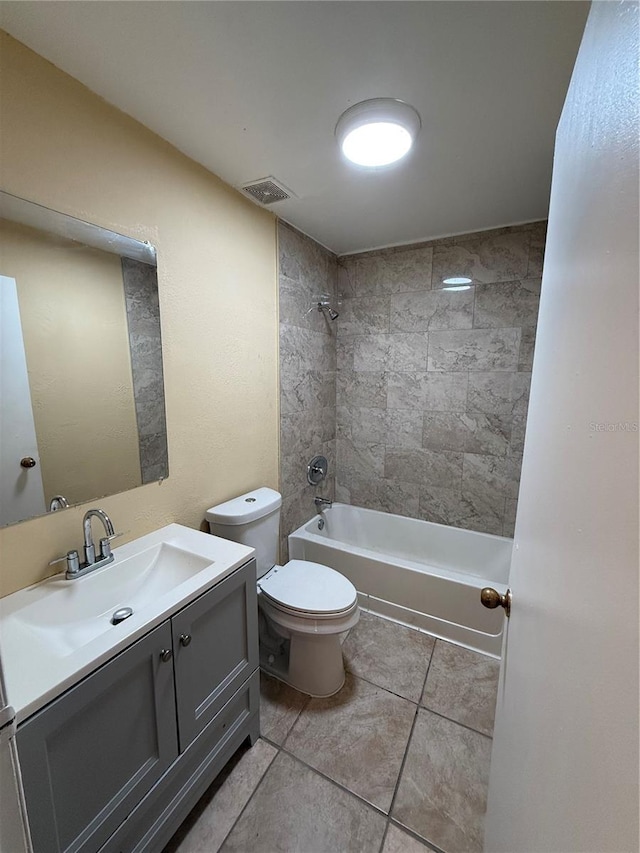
(267, 190)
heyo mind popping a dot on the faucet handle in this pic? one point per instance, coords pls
(72, 560)
(105, 543)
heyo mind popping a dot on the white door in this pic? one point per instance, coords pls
(21, 492)
(564, 774)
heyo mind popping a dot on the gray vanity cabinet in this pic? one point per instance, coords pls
(117, 762)
(89, 757)
(216, 649)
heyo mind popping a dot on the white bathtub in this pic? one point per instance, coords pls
(416, 572)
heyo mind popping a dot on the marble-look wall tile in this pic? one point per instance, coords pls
(359, 460)
(527, 345)
(392, 496)
(473, 433)
(421, 466)
(143, 320)
(393, 272)
(399, 352)
(431, 310)
(536, 249)
(431, 386)
(448, 505)
(477, 349)
(510, 508)
(485, 259)
(358, 388)
(364, 316)
(438, 392)
(307, 272)
(510, 304)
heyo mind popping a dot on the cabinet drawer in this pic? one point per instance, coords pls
(215, 642)
(89, 757)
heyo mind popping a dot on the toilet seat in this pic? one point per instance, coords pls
(303, 588)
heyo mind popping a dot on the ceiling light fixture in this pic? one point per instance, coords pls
(377, 132)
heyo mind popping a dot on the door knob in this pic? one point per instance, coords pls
(491, 598)
(185, 639)
(28, 462)
(166, 655)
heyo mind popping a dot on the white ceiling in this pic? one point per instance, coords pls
(251, 89)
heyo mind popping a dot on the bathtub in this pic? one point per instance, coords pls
(416, 572)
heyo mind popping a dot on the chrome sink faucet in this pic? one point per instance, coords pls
(75, 568)
(105, 545)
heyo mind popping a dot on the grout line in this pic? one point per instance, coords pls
(428, 844)
(304, 707)
(244, 808)
(456, 722)
(384, 836)
(413, 725)
(378, 809)
(380, 687)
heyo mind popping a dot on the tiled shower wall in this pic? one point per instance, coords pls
(143, 319)
(433, 385)
(307, 272)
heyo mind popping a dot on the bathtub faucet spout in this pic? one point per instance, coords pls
(322, 503)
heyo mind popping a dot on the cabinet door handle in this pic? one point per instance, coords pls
(185, 639)
(166, 655)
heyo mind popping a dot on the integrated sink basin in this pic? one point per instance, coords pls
(57, 631)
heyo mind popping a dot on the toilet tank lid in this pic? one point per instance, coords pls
(245, 508)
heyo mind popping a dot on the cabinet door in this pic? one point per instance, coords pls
(89, 757)
(216, 649)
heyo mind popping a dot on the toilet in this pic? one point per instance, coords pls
(304, 608)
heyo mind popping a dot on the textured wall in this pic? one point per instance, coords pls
(66, 148)
(143, 320)
(307, 374)
(432, 385)
(72, 311)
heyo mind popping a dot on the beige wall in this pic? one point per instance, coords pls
(74, 323)
(63, 147)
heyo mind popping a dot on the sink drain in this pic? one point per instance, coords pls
(120, 615)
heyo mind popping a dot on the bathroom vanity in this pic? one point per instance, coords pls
(115, 760)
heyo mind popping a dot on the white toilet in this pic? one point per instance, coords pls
(304, 607)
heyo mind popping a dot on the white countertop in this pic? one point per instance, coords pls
(42, 656)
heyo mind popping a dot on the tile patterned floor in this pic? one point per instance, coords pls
(396, 762)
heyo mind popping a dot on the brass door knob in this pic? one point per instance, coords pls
(491, 598)
(28, 462)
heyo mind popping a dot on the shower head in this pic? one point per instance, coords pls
(324, 306)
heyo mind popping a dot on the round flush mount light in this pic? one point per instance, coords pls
(457, 282)
(377, 132)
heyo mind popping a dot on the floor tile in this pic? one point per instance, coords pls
(442, 793)
(357, 737)
(398, 841)
(389, 655)
(279, 708)
(213, 817)
(297, 811)
(462, 685)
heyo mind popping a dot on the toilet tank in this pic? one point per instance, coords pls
(252, 519)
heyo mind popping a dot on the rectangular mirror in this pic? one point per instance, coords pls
(82, 412)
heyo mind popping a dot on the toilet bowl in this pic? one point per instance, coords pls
(305, 608)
